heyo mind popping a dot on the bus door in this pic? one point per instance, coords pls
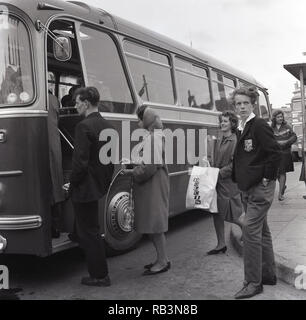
(65, 75)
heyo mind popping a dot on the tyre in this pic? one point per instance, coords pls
(120, 236)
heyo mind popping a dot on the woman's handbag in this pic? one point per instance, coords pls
(201, 191)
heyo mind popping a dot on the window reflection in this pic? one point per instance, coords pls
(263, 105)
(105, 72)
(194, 91)
(193, 85)
(151, 73)
(222, 87)
(16, 78)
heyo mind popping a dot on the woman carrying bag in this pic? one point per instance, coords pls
(285, 137)
(151, 188)
(228, 195)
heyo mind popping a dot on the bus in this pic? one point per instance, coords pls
(57, 46)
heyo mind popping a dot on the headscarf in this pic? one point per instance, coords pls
(152, 144)
(151, 120)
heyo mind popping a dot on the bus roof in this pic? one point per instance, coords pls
(44, 10)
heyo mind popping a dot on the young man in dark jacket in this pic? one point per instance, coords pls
(256, 162)
(89, 181)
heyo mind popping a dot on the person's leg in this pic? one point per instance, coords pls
(150, 236)
(285, 179)
(87, 224)
(159, 241)
(282, 183)
(238, 222)
(219, 228)
(259, 201)
(56, 210)
(268, 261)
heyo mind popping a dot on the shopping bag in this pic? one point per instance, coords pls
(201, 191)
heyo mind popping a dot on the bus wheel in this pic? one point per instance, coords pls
(119, 233)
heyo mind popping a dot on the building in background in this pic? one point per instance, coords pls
(297, 122)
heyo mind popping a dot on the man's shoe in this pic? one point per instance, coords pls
(269, 281)
(96, 282)
(248, 291)
(73, 237)
(55, 233)
(304, 197)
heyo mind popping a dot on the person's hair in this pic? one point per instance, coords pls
(140, 111)
(90, 94)
(275, 114)
(66, 101)
(151, 120)
(73, 89)
(232, 118)
(250, 92)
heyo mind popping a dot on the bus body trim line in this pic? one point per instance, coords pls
(11, 173)
(178, 173)
(20, 222)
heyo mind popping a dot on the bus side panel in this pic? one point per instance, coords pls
(179, 183)
(27, 189)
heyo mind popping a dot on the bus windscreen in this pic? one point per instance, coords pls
(16, 78)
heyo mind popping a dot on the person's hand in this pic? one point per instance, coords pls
(281, 142)
(127, 171)
(265, 181)
(66, 186)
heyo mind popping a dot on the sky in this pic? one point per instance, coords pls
(255, 36)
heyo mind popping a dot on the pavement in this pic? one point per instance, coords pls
(287, 222)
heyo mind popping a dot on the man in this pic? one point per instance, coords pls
(89, 181)
(256, 162)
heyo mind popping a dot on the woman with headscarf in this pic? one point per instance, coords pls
(285, 138)
(151, 188)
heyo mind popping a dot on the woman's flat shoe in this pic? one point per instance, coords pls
(149, 272)
(216, 251)
(150, 265)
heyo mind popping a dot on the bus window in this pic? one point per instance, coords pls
(151, 72)
(263, 106)
(193, 86)
(66, 83)
(222, 87)
(105, 71)
(16, 77)
(67, 73)
(51, 82)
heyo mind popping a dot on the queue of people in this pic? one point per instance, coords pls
(250, 154)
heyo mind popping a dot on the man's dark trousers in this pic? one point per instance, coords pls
(257, 241)
(91, 241)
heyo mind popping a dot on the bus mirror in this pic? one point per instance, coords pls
(62, 48)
